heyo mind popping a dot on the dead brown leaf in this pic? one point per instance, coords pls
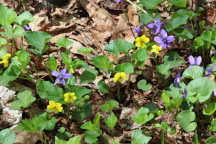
(211, 16)
(99, 15)
(23, 137)
(133, 18)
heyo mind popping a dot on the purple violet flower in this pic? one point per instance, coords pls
(61, 76)
(214, 53)
(118, 1)
(185, 93)
(27, 27)
(177, 80)
(137, 30)
(165, 40)
(214, 92)
(156, 25)
(209, 70)
(194, 60)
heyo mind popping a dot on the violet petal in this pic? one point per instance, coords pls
(118, 1)
(198, 60)
(163, 33)
(63, 82)
(27, 27)
(214, 92)
(57, 80)
(158, 39)
(168, 45)
(209, 70)
(157, 30)
(63, 71)
(170, 39)
(151, 25)
(191, 60)
(137, 30)
(157, 20)
(177, 79)
(55, 73)
(66, 76)
(163, 45)
(185, 93)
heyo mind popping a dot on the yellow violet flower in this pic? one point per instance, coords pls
(54, 106)
(70, 97)
(120, 77)
(5, 59)
(156, 49)
(141, 41)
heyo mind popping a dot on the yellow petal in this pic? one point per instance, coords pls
(6, 56)
(145, 39)
(51, 102)
(156, 49)
(116, 77)
(6, 63)
(123, 76)
(120, 77)
(69, 97)
(138, 42)
(74, 97)
(59, 107)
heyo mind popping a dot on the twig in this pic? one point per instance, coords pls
(137, 6)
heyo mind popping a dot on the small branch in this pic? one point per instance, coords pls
(137, 6)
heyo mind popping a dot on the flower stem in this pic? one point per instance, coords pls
(49, 74)
(118, 92)
(68, 110)
(128, 84)
(43, 137)
(23, 4)
(155, 59)
(112, 132)
(162, 137)
(13, 47)
(34, 69)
